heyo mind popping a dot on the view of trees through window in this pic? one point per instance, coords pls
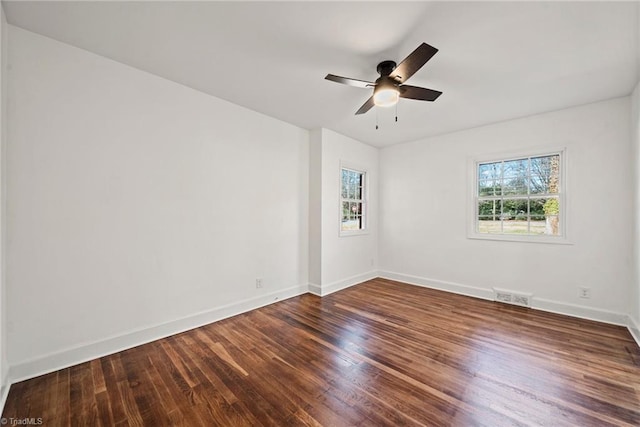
(519, 196)
(352, 191)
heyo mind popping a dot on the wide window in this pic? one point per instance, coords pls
(352, 200)
(520, 197)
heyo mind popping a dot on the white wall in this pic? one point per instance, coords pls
(341, 260)
(423, 216)
(137, 207)
(315, 210)
(137, 203)
(4, 366)
(634, 295)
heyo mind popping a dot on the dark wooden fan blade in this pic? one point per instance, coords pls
(413, 62)
(420, 93)
(350, 82)
(366, 106)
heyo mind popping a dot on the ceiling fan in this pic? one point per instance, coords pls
(390, 87)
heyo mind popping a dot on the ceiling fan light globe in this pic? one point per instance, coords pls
(386, 97)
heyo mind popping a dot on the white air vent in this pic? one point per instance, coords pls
(512, 297)
(503, 296)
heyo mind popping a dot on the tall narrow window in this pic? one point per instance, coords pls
(352, 200)
(520, 197)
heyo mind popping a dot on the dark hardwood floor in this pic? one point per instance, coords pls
(380, 353)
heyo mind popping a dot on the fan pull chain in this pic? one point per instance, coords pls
(397, 112)
(376, 118)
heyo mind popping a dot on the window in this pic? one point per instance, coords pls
(352, 200)
(520, 198)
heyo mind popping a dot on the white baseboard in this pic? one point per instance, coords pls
(315, 289)
(89, 351)
(324, 290)
(580, 311)
(83, 353)
(453, 287)
(634, 329)
(4, 392)
(537, 303)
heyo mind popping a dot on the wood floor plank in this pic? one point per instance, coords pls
(381, 353)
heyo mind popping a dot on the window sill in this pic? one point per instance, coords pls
(559, 240)
(353, 233)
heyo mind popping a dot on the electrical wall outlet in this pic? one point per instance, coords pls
(584, 292)
(258, 283)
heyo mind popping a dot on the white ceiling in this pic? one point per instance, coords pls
(497, 60)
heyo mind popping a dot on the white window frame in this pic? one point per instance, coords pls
(472, 214)
(364, 200)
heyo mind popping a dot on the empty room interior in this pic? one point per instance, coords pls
(320, 213)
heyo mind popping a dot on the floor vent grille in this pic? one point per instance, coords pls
(512, 297)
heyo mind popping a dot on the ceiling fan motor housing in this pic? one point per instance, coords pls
(386, 67)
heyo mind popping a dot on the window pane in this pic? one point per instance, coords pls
(552, 225)
(546, 214)
(515, 226)
(515, 169)
(515, 186)
(554, 176)
(489, 212)
(538, 224)
(352, 216)
(490, 171)
(354, 178)
(352, 192)
(514, 209)
(515, 216)
(525, 190)
(356, 209)
(358, 192)
(536, 206)
(545, 174)
(490, 209)
(487, 225)
(350, 225)
(489, 187)
(345, 210)
(344, 183)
